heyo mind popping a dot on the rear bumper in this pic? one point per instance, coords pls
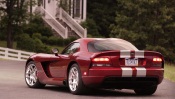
(118, 78)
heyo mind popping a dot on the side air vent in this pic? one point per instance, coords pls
(45, 66)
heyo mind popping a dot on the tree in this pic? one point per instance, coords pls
(149, 24)
(13, 18)
(102, 13)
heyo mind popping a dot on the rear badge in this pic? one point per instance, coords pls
(132, 54)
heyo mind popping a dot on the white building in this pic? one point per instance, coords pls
(75, 8)
(64, 16)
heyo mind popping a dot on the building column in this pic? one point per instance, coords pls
(81, 9)
(84, 9)
(72, 8)
(77, 9)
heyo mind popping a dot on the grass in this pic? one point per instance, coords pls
(60, 49)
(170, 72)
(4, 44)
(2, 59)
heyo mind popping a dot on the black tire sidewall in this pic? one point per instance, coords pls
(146, 91)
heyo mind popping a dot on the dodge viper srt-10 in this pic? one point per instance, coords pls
(109, 63)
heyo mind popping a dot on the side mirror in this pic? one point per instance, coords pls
(55, 51)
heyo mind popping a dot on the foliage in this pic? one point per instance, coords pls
(4, 44)
(33, 32)
(40, 44)
(55, 41)
(65, 5)
(91, 27)
(13, 15)
(100, 14)
(36, 25)
(38, 37)
(33, 44)
(148, 24)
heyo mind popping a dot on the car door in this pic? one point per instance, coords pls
(58, 68)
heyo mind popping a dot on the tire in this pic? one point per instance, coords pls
(75, 82)
(31, 78)
(146, 91)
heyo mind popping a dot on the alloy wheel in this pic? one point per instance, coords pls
(73, 79)
(31, 75)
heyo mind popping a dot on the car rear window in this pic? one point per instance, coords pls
(109, 45)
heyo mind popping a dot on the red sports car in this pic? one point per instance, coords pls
(97, 63)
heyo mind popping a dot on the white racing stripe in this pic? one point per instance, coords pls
(125, 54)
(139, 54)
(126, 72)
(141, 72)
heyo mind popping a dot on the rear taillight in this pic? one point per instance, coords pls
(101, 61)
(157, 62)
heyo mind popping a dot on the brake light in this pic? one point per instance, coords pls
(157, 60)
(101, 60)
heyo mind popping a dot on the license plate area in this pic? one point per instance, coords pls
(131, 62)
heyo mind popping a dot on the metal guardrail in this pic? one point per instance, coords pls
(72, 23)
(12, 54)
(49, 19)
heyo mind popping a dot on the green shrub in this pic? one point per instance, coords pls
(60, 42)
(68, 40)
(44, 39)
(25, 42)
(55, 41)
(37, 35)
(37, 25)
(91, 27)
(40, 47)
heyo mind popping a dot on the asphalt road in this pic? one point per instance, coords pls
(12, 86)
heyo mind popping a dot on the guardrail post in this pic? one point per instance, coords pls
(19, 55)
(13, 54)
(6, 53)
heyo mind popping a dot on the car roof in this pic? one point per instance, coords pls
(85, 41)
(92, 39)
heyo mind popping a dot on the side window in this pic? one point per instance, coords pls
(72, 48)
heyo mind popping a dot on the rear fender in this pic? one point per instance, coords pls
(44, 57)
